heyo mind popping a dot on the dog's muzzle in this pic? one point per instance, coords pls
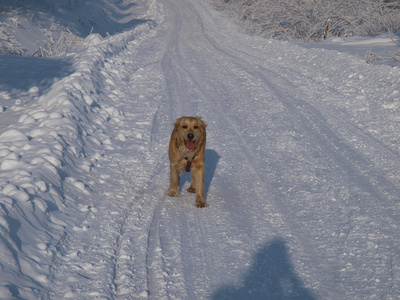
(189, 142)
(190, 145)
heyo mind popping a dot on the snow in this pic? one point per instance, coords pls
(302, 162)
(383, 49)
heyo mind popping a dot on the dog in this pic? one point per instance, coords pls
(187, 153)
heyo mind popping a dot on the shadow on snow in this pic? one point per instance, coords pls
(24, 72)
(212, 159)
(270, 276)
(81, 17)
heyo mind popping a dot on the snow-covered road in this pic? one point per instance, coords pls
(302, 168)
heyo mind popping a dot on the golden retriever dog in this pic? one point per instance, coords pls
(187, 153)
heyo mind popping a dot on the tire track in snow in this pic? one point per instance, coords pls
(163, 254)
(344, 154)
(133, 263)
(250, 157)
(288, 222)
(335, 133)
(320, 112)
(102, 252)
(177, 93)
(150, 271)
(316, 126)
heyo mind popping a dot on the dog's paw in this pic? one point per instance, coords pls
(191, 190)
(201, 204)
(173, 194)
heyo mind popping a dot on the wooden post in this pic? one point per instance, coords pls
(326, 28)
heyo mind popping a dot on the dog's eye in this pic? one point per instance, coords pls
(196, 127)
(184, 126)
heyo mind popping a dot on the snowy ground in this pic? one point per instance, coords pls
(302, 166)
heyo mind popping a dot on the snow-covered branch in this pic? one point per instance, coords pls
(307, 19)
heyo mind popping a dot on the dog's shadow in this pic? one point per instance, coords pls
(211, 163)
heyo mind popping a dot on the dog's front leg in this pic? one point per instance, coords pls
(198, 180)
(192, 187)
(174, 182)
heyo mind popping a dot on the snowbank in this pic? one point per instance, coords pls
(56, 27)
(51, 135)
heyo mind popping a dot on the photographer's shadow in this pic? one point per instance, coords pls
(271, 276)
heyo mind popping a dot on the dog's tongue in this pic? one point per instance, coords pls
(190, 145)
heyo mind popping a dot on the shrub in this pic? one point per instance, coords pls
(307, 19)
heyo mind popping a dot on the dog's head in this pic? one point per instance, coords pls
(190, 131)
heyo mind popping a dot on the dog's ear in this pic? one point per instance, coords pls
(175, 133)
(201, 122)
(177, 123)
